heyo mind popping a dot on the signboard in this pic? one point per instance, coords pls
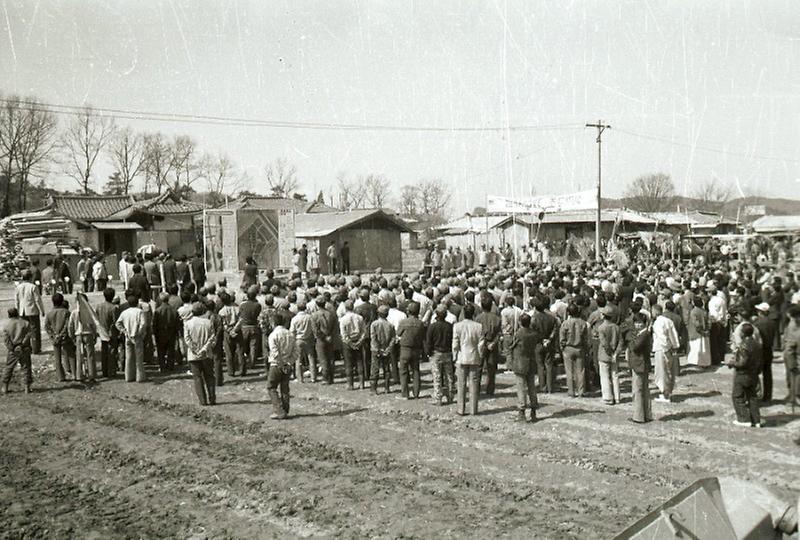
(755, 210)
(581, 200)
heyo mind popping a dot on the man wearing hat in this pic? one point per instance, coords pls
(767, 327)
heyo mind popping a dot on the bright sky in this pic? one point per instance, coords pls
(715, 83)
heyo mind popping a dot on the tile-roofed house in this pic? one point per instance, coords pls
(88, 208)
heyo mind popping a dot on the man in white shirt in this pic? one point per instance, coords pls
(30, 307)
(394, 318)
(132, 324)
(718, 317)
(665, 346)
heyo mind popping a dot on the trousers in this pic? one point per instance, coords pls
(23, 358)
(203, 378)
(545, 368)
(325, 359)
(232, 346)
(278, 386)
(442, 373)
(409, 362)
(642, 407)
(574, 369)
(380, 362)
(36, 332)
(307, 355)
(251, 342)
(134, 359)
(84, 355)
(354, 361)
(717, 339)
(166, 355)
(666, 371)
(63, 359)
(108, 357)
(526, 390)
(468, 375)
(609, 381)
(745, 399)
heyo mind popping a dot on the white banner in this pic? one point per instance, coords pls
(581, 200)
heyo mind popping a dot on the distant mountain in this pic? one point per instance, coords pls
(773, 206)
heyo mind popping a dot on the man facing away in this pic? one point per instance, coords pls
(522, 362)
(665, 343)
(28, 302)
(282, 353)
(200, 338)
(16, 335)
(439, 347)
(467, 335)
(132, 325)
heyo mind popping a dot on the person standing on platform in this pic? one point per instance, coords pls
(29, 306)
(170, 272)
(345, 254)
(333, 258)
(198, 271)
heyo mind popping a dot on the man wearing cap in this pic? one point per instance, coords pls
(767, 327)
(198, 332)
(382, 338)
(718, 319)
(467, 335)
(16, 335)
(28, 302)
(354, 334)
(665, 345)
(411, 337)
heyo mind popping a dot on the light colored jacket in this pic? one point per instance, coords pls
(132, 323)
(282, 347)
(28, 299)
(466, 338)
(198, 332)
(665, 336)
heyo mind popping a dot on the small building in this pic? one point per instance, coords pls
(470, 231)
(694, 222)
(522, 229)
(777, 225)
(374, 237)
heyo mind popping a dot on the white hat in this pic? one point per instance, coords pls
(763, 306)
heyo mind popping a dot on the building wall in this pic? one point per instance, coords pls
(369, 248)
(173, 223)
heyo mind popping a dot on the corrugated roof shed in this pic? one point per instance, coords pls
(581, 216)
(772, 224)
(475, 224)
(319, 225)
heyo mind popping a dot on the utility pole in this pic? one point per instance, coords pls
(600, 128)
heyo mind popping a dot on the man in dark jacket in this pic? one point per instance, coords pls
(747, 363)
(767, 327)
(16, 335)
(165, 328)
(523, 364)
(139, 285)
(323, 324)
(545, 326)
(439, 347)
(170, 272)
(369, 312)
(411, 336)
(640, 343)
(490, 339)
(183, 274)
(199, 270)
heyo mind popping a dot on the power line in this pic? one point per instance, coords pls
(251, 122)
(705, 148)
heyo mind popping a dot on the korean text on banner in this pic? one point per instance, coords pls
(581, 200)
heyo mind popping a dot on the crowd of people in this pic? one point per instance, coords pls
(468, 314)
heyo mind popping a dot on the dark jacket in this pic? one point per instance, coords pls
(639, 352)
(411, 333)
(170, 272)
(439, 338)
(138, 284)
(747, 359)
(523, 345)
(165, 323)
(767, 328)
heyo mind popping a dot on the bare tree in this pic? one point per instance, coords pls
(128, 156)
(28, 134)
(651, 193)
(184, 166)
(221, 177)
(281, 177)
(351, 192)
(712, 196)
(409, 199)
(157, 161)
(85, 137)
(434, 196)
(376, 187)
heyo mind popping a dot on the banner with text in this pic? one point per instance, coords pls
(581, 200)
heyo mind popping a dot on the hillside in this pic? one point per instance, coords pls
(773, 206)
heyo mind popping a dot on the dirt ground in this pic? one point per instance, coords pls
(127, 460)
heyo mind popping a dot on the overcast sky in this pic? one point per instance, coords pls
(715, 84)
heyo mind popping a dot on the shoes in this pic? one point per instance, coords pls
(533, 416)
(662, 399)
(277, 416)
(742, 424)
(759, 425)
(632, 421)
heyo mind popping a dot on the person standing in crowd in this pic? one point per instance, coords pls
(639, 349)
(48, 278)
(16, 335)
(610, 341)
(198, 271)
(29, 306)
(345, 253)
(574, 340)
(296, 272)
(747, 363)
(83, 332)
(83, 269)
(698, 332)
(63, 275)
(107, 314)
(153, 275)
(229, 314)
(324, 325)
(333, 256)
(411, 338)
(100, 273)
(767, 327)
(139, 284)
(489, 348)
(467, 335)
(546, 326)
(522, 362)
(382, 339)
(665, 345)
(791, 349)
(250, 274)
(439, 347)
(282, 353)
(303, 332)
(303, 258)
(718, 318)
(199, 335)
(354, 334)
(56, 324)
(170, 269)
(249, 310)
(183, 273)
(131, 324)
(166, 324)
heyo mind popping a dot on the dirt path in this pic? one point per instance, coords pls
(143, 461)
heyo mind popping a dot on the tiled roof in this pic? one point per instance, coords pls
(319, 225)
(272, 203)
(90, 207)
